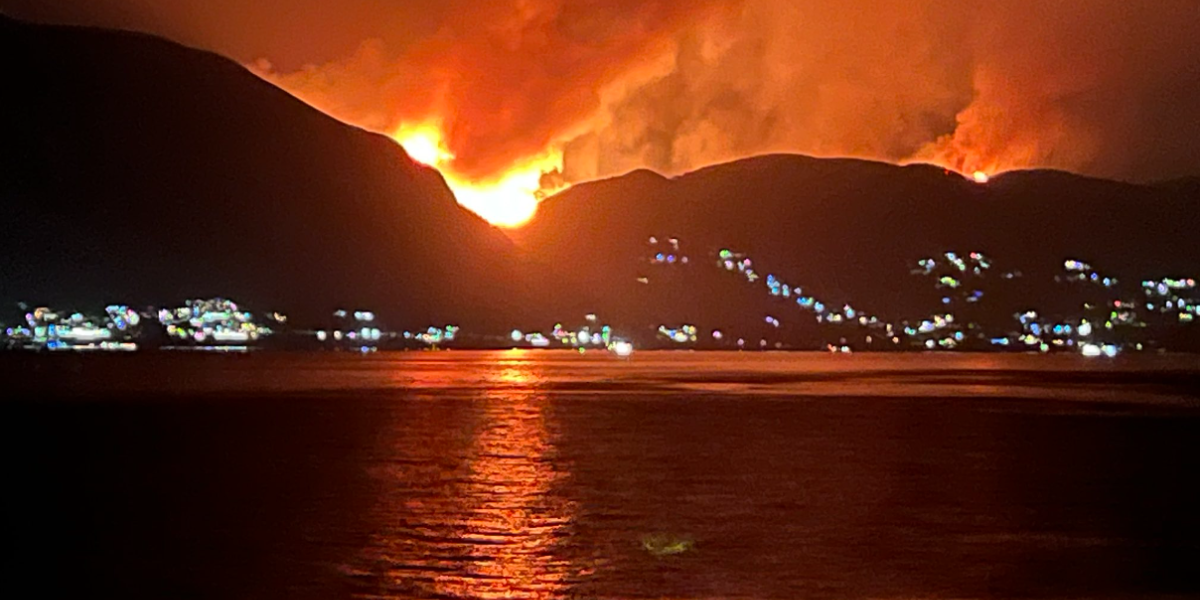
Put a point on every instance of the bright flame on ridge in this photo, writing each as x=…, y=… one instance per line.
x=423, y=144
x=508, y=200
x=980, y=177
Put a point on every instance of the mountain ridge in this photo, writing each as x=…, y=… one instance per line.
x=286, y=205
x=138, y=170
x=853, y=230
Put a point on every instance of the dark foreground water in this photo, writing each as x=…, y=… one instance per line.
x=554, y=475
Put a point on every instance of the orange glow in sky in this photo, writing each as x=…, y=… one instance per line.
x=507, y=200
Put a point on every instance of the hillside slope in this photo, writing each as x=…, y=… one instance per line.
x=141, y=171
x=851, y=231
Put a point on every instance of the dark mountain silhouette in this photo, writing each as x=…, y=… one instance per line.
x=1183, y=185
x=135, y=169
x=850, y=231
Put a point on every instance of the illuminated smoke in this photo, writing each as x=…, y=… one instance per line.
x=504, y=80
x=1106, y=87
x=566, y=92
x=1099, y=87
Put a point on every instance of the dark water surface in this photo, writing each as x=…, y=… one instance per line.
x=555, y=475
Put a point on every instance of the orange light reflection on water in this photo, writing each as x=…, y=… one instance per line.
x=511, y=521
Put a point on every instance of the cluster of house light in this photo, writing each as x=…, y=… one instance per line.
x=960, y=279
x=592, y=334
x=355, y=330
x=45, y=328
x=1108, y=328
x=198, y=323
x=822, y=311
x=1172, y=296
x=668, y=255
x=213, y=322
x=684, y=334
x=433, y=335
x=954, y=274
x=1101, y=328
x=732, y=262
x=1081, y=272
x=360, y=331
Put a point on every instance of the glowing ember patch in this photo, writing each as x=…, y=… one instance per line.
x=980, y=177
x=423, y=144
x=508, y=200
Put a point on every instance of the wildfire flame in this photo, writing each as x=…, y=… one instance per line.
x=423, y=144
x=507, y=200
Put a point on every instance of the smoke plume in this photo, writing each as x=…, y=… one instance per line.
x=1104, y=87
x=1100, y=87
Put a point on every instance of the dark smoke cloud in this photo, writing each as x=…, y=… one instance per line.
x=1105, y=87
